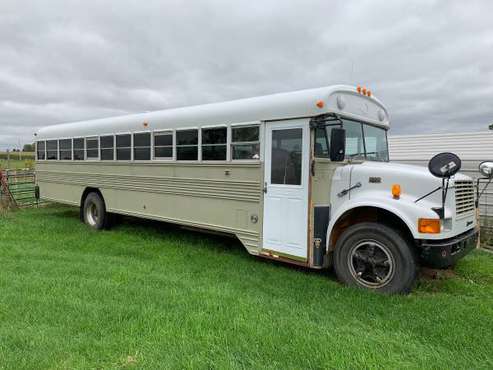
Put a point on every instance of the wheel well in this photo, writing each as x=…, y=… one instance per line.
x=368, y=214
x=86, y=192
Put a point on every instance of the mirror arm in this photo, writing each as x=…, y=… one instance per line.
x=427, y=194
x=479, y=194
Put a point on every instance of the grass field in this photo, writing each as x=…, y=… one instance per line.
x=26, y=160
x=150, y=295
x=14, y=164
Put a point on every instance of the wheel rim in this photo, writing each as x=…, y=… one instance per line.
x=92, y=215
x=371, y=264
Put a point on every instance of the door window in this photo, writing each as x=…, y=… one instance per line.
x=286, y=156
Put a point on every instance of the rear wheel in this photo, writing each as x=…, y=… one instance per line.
x=94, y=212
x=373, y=256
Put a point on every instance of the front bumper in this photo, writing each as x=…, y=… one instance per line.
x=446, y=252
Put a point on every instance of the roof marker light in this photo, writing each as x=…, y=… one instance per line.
x=364, y=90
x=358, y=89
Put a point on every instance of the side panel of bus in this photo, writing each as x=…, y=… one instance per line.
x=225, y=197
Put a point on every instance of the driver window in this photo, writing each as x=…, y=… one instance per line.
x=354, y=140
x=286, y=156
x=321, y=150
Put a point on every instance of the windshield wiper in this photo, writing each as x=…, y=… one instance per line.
x=354, y=155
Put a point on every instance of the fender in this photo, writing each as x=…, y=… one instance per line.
x=404, y=208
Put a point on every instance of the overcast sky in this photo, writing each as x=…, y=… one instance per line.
x=430, y=62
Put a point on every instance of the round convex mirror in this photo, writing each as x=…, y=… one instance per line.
x=444, y=165
x=486, y=169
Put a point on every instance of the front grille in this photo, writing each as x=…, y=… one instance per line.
x=464, y=197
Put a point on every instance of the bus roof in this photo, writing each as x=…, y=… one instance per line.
x=341, y=99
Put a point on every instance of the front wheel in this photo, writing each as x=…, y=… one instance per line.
x=374, y=256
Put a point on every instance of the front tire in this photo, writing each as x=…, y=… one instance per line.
x=94, y=212
x=375, y=257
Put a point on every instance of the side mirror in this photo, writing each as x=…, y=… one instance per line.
x=486, y=169
x=444, y=165
x=337, y=144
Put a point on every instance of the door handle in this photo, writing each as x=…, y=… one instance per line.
x=265, y=188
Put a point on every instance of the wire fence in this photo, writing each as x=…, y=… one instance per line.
x=485, y=204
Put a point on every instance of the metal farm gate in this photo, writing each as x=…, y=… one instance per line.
x=18, y=188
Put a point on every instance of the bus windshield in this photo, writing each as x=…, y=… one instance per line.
x=363, y=141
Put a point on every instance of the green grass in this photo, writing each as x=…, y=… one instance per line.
x=150, y=295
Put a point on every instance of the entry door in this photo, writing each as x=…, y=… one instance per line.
x=285, y=227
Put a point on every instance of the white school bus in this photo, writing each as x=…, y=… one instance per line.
x=301, y=177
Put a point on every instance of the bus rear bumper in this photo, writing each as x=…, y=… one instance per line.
x=446, y=252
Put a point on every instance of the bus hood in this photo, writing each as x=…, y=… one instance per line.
x=415, y=181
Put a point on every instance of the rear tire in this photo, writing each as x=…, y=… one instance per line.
x=94, y=212
x=375, y=257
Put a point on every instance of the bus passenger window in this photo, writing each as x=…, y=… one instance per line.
x=52, y=150
x=187, y=145
x=245, y=143
x=107, y=151
x=40, y=150
x=92, y=148
x=214, y=144
x=65, y=149
x=79, y=149
x=123, y=147
x=142, y=146
x=163, y=145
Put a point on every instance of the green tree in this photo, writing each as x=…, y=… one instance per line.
x=28, y=148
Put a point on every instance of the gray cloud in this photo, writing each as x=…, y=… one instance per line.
x=430, y=62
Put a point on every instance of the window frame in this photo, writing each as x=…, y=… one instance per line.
x=124, y=147
x=65, y=150
x=85, y=150
x=173, y=146
x=259, y=142
x=132, y=142
x=301, y=179
x=362, y=125
x=114, y=147
x=46, y=149
x=198, y=145
x=226, y=143
x=37, y=158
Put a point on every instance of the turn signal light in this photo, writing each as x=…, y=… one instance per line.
x=429, y=225
x=396, y=191
x=320, y=104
